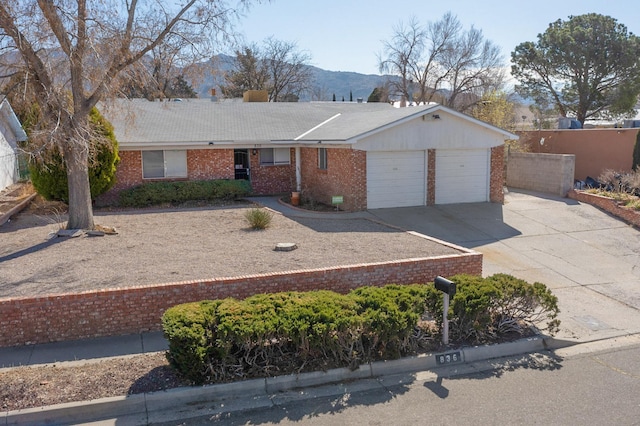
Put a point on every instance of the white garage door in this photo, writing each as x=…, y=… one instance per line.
x=462, y=176
x=396, y=179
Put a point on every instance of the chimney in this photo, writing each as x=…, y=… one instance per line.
x=255, y=96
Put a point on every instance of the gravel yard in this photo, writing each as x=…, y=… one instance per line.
x=171, y=245
x=158, y=246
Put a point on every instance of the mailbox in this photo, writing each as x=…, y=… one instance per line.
x=446, y=286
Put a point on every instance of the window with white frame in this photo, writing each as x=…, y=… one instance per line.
x=322, y=158
x=274, y=156
x=164, y=164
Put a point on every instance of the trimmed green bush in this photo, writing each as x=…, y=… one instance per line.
x=50, y=178
x=483, y=309
x=175, y=193
x=267, y=334
x=231, y=339
x=187, y=328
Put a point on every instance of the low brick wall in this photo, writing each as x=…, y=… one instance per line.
x=132, y=310
x=608, y=205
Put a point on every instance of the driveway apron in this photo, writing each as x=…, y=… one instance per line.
x=589, y=259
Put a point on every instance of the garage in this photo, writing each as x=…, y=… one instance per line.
x=396, y=179
x=462, y=176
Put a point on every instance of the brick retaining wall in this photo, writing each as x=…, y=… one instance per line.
x=133, y=310
x=607, y=204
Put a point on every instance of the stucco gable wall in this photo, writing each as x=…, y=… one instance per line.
x=8, y=168
x=447, y=132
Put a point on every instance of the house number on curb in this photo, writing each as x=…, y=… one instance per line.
x=448, y=358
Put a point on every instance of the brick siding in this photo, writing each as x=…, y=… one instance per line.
x=138, y=309
x=431, y=177
x=276, y=179
x=346, y=175
x=496, y=180
x=205, y=164
x=607, y=204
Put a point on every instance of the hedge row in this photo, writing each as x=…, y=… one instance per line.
x=156, y=193
x=267, y=334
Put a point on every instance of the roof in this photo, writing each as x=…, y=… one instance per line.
x=141, y=122
x=12, y=120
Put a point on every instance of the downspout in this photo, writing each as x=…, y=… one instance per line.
x=298, y=170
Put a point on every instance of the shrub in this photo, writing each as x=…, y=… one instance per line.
x=390, y=315
x=157, y=193
x=187, y=328
x=483, y=309
x=258, y=218
x=50, y=178
x=268, y=334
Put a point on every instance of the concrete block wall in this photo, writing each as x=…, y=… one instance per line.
x=550, y=173
x=121, y=311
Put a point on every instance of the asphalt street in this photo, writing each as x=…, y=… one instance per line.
x=601, y=388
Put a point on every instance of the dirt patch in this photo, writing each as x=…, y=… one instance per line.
x=28, y=387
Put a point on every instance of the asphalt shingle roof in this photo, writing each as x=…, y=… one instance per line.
x=142, y=122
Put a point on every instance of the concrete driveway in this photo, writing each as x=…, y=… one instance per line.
x=589, y=259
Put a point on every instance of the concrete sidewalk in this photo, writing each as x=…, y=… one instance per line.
x=81, y=351
x=590, y=260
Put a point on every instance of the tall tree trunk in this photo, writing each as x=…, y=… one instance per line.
x=80, y=209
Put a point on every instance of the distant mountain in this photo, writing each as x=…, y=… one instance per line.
x=325, y=84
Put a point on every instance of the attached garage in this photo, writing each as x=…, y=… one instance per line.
x=371, y=154
x=396, y=179
x=462, y=175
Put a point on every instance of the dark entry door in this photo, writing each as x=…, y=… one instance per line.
x=241, y=163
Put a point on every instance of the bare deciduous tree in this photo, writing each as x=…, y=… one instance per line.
x=441, y=61
x=288, y=69
x=249, y=73
x=278, y=67
x=72, y=53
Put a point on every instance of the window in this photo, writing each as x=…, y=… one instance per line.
x=164, y=164
x=322, y=158
x=274, y=156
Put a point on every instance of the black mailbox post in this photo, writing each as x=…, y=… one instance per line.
x=445, y=286
x=448, y=289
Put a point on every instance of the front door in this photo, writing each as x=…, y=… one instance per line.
x=241, y=163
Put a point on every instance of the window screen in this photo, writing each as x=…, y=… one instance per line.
x=322, y=158
x=152, y=164
x=164, y=164
x=271, y=156
x=175, y=164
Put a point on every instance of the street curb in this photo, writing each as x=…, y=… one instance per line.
x=258, y=391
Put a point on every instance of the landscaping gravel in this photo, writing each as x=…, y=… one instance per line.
x=172, y=245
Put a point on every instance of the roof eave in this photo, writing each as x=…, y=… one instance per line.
x=12, y=120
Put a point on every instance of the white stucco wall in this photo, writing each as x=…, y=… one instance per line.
x=8, y=159
x=447, y=132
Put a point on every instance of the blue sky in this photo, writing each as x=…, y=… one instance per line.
x=346, y=35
